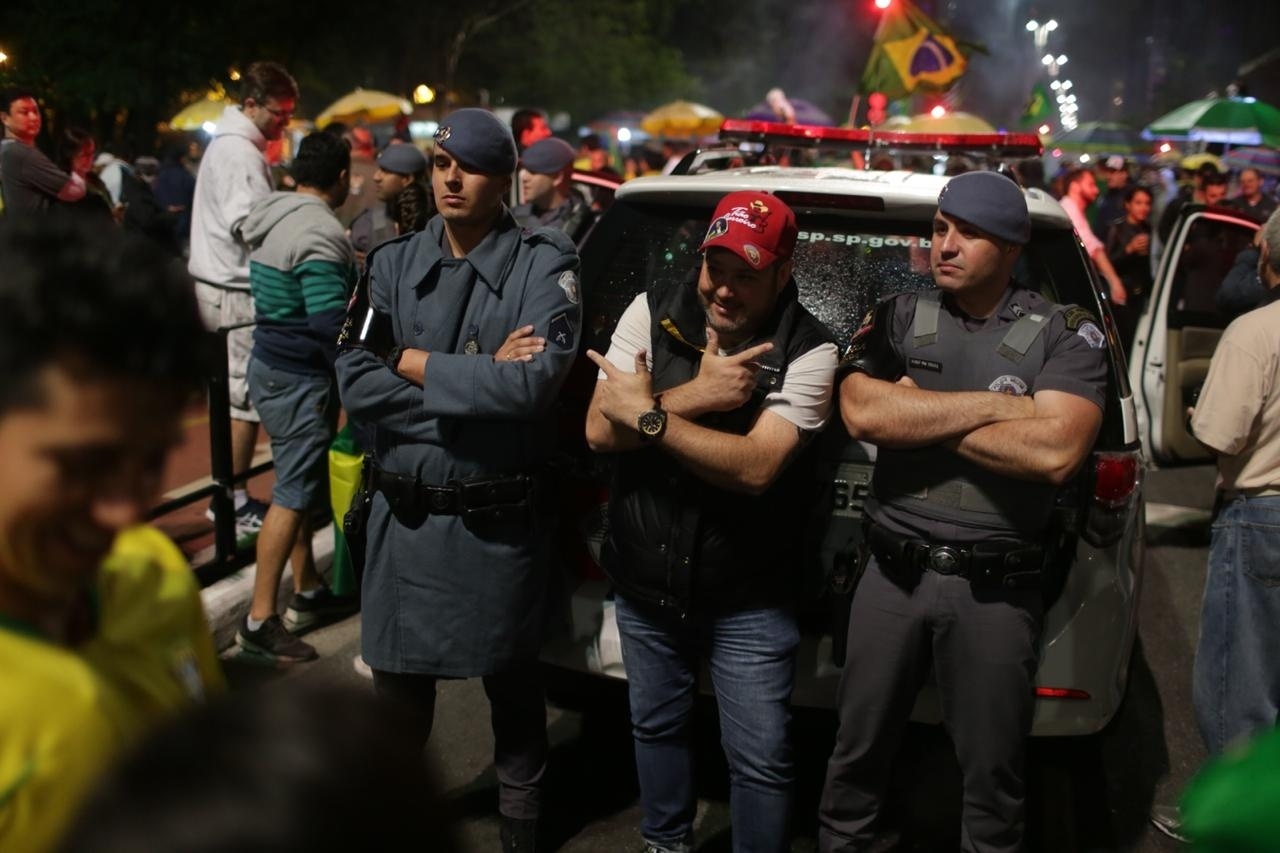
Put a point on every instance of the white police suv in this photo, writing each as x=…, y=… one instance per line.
x=863, y=235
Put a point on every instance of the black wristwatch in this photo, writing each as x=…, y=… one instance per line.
x=393, y=358
x=653, y=423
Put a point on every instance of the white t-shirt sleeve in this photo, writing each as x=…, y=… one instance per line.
x=806, y=393
x=630, y=336
x=1081, y=224
x=805, y=396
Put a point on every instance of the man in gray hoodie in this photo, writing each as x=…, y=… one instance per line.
x=301, y=272
x=234, y=174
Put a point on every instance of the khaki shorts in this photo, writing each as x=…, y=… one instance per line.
x=225, y=306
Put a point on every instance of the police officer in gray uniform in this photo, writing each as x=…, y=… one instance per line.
x=982, y=399
x=546, y=184
x=455, y=354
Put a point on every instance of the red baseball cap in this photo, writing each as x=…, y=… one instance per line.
x=755, y=226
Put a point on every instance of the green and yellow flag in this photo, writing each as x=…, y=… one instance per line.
x=912, y=52
x=1038, y=109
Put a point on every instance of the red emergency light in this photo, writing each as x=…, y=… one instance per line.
x=812, y=136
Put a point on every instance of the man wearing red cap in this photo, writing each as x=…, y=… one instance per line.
x=709, y=394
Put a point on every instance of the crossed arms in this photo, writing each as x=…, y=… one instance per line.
x=1044, y=437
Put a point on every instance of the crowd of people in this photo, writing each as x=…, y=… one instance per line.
x=405, y=289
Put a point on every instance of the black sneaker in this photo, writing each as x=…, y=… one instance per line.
x=323, y=607
x=273, y=642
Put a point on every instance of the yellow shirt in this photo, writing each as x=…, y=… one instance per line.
x=66, y=712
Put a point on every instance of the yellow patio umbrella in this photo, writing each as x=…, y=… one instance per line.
x=196, y=115
x=682, y=118
x=367, y=105
x=956, y=122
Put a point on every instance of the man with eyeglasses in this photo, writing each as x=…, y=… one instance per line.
x=234, y=175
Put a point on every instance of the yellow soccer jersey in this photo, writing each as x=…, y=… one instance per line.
x=66, y=712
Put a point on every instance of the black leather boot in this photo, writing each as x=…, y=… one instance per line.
x=518, y=836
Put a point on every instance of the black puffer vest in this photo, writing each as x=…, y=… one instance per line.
x=675, y=540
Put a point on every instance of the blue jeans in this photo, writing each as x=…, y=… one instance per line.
x=752, y=661
x=1236, y=683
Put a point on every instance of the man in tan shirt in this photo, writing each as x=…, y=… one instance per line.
x=1237, y=670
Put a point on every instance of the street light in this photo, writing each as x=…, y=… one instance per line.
x=3, y=56
x=1040, y=32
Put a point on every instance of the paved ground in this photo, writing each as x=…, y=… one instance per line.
x=1087, y=794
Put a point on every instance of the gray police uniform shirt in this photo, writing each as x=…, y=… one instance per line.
x=1074, y=362
x=439, y=598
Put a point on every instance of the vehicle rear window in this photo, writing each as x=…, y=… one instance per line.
x=845, y=263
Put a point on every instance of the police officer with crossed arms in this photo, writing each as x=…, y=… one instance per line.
x=982, y=399
x=455, y=350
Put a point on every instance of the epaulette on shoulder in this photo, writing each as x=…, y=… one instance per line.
x=551, y=236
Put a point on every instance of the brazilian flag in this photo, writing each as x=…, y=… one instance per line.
x=1038, y=109
x=911, y=52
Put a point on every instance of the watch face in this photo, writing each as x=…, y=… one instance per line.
x=652, y=422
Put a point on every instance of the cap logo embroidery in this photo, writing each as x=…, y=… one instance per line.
x=718, y=229
x=752, y=253
x=443, y=134
x=750, y=217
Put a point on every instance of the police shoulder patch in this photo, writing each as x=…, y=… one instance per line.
x=1075, y=316
x=568, y=282
x=1092, y=335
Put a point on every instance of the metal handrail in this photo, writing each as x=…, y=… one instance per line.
x=221, y=491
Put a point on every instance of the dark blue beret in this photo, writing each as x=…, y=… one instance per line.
x=478, y=139
x=548, y=156
x=403, y=159
x=989, y=201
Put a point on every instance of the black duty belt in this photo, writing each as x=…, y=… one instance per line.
x=458, y=497
x=1009, y=564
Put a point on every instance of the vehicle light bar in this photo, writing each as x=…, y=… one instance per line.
x=1061, y=693
x=812, y=136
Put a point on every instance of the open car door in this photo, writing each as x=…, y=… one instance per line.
x=1181, y=326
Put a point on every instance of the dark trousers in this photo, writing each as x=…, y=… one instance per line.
x=518, y=713
x=983, y=646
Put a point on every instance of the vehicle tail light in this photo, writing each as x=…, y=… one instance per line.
x=1061, y=693
x=1115, y=478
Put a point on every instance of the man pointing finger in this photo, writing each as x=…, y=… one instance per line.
x=708, y=430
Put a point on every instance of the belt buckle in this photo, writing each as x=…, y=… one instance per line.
x=944, y=560
x=440, y=501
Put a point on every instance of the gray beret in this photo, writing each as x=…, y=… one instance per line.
x=989, y=201
x=548, y=156
x=403, y=159
x=478, y=139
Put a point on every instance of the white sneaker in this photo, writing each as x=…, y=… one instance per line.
x=362, y=668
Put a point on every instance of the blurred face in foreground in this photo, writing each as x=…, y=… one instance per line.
x=77, y=465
